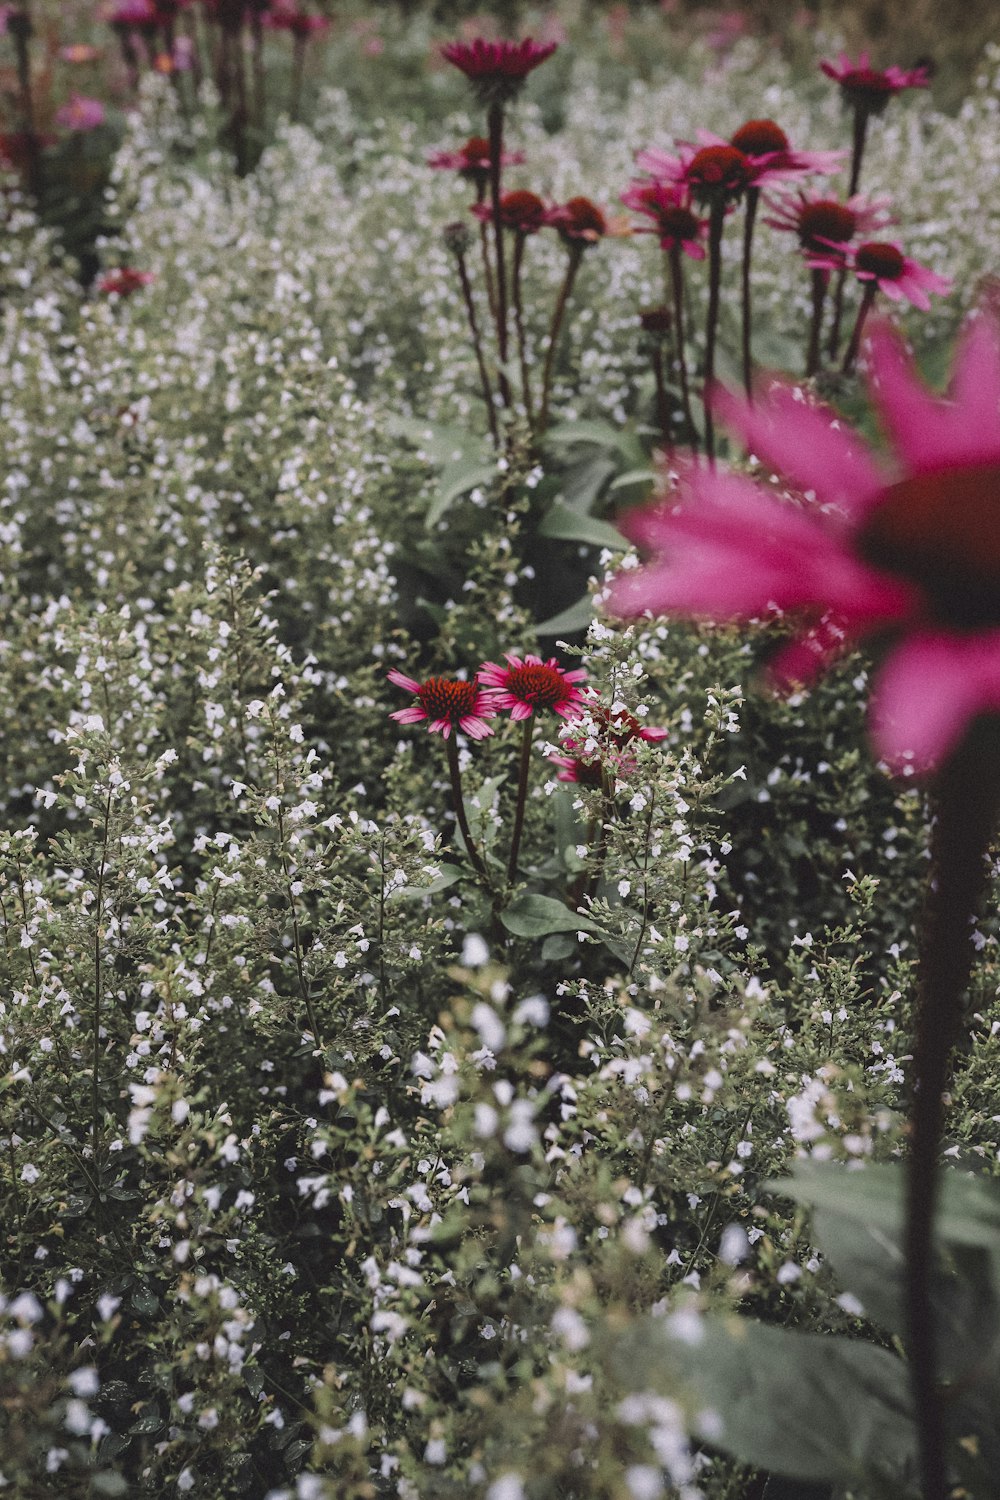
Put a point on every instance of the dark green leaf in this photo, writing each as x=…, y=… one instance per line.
x=568, y=621
x=568, y=525
x=531, y=916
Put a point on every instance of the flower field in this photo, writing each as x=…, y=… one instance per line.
x=500, y=666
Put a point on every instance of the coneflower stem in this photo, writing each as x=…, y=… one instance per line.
x=820, y=281
x=851, y=352
x=20, y=28
x=555, y=328
x=966, y=798
x=458, y=805
x=495, y=127
x=716, y=220
x=477, y=344
x=860, y=132
x=677, y=292
x=484, y=241
x=522, y=800
x=522, y=346
x=257, y=65
x=749, y=219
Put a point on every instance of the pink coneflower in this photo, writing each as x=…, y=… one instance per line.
x=446, y=703
x=673, y=219
x=822, y=223
x=527, y=684
x=522, y=211
x=872, y=88
x=711, y=174
x=604, y=751
x=579, y=221
x=497, y=70
x=772, y=155
x=81, y=114
x=124, y=281
x=136, y=13
x=884, y=264
x=472, y=160
x=911, y=556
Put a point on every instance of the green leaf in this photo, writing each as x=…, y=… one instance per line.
x=456, y=480
x=602, y=434
x=632, y=476
x=443, y=444
x=568, y=621
x=448, y=876
x=566, y=525
x=530, y=916
x=801, y=1405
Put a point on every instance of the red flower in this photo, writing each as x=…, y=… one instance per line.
x=895, y=274
x=497, y=69
x=447, y=703
x=673, y=219
x=124, y=281
x=868, y=88
x=822, y=224
x=579, y=221
x=528, y=683
x=521, y=211
x=473, y=159
x=603, y=750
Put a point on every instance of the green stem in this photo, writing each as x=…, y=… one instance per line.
x=477, y=344
x=522, y=346
x=522, y=800
x=555, y=328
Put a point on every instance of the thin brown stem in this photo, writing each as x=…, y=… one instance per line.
x=677, y=293
x=820, y=281
x=458, y=807
x=484, y=245
x=495, y=129
x=555, y=328
x=524, y=767
x=859, y=135
x=477, y=344
x=522, y=346
x=851, y=352
x=717, y=218
x=749, y=219
x=966, y=799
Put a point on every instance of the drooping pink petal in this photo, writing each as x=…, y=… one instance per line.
x=805, y=444
x=809, y=654
x=733, y=552
x=931, y=433
x=401, y=680
x=928, y=692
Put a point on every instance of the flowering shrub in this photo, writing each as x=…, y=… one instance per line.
x=395, y=1112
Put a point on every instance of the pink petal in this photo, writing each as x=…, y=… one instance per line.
x=800, y=661
x=475, y=727
x=401, y=680
x=412, y=715
x=520, y=709
x=799, y=441
x=929, y=691
x=931, y=433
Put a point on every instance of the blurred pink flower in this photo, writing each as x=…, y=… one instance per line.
x=123, y=281
x=472, y=160
x=871, y=88
x=823, y=223
x=497, y=69
x=909, y=556
x=80, y=113
x=672, y=217
x=604, y=749
x=895, y=274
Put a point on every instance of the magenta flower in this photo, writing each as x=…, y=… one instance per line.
x=299, y=23
x=445, y=703
x=579, y=221
x=717, y=172
x=80, y=113
x=910, y=556
x=822, y=224
x=473, y=159
x=871, y=88
x=884, y=264
x=497, y=70
x=673, y=219
x=528, y=683
x=522, y=211
x=771, y=153
x=604, y=750
x=134, y=13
